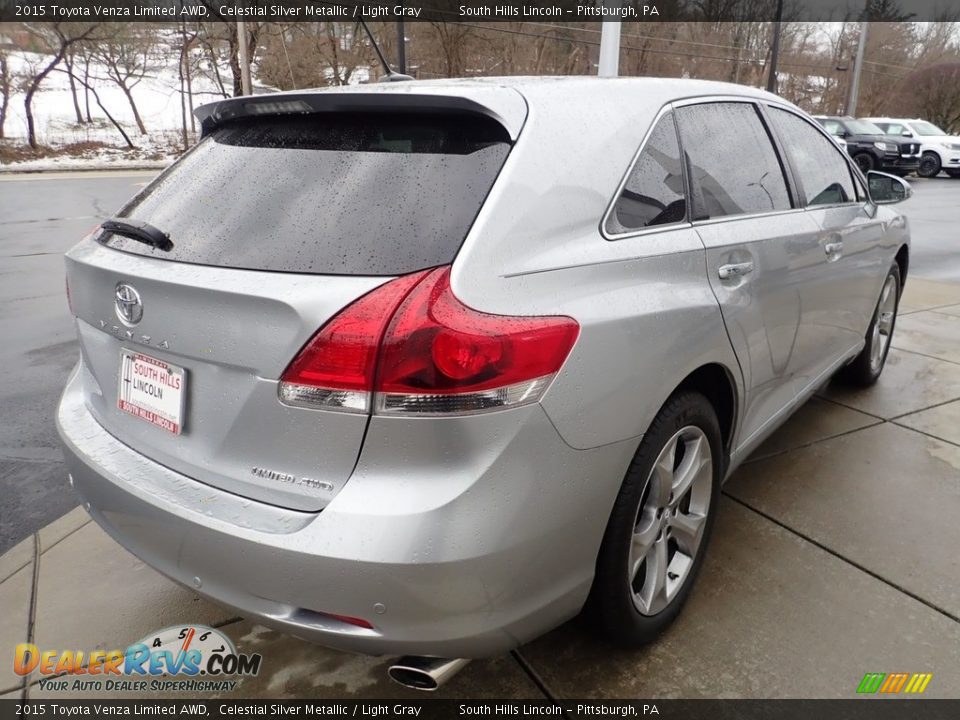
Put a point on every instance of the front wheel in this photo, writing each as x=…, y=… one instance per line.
x=865, y=161
x=929, y=165
x=660, y=525
x=866, y=367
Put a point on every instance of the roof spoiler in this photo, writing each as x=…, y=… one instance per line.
x=504, y=105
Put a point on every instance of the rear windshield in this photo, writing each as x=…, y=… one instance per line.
x=347, y=194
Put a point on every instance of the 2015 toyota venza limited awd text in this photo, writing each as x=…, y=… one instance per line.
x=427, y=368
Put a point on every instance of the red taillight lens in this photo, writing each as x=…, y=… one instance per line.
x=335, y=369
x=440, y=356
x=430, y=353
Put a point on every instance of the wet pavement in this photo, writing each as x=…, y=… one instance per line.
x=834, y=551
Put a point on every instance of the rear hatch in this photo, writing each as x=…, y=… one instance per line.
x=277, y=223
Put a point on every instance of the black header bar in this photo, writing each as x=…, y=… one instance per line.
x=634, y=11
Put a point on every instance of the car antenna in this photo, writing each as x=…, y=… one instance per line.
x=392, y=75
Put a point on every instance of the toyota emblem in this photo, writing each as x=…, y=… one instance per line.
x=129, y=307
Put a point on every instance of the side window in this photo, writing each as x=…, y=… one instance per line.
x=731, y=162
x=821, y=169
x=833, y=127
x=653, y=194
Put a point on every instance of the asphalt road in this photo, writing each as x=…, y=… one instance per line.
x=41, y=216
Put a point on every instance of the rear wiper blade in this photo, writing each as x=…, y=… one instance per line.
x=141, y=231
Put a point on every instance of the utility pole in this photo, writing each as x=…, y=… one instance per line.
x=857, y=67
x=608, y=64
x=243, y=55
x=401, y=48
x=775, y=50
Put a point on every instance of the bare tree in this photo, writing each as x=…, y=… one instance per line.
x=59, y=38
x=127, y=56
x=5, y=88
x=106, y=112
x=68, y=60
x=936, y=94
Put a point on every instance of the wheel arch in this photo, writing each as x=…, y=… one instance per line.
x=903, y=261
x=715, y=382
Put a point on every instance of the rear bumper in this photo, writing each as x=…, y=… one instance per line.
x=450, y=562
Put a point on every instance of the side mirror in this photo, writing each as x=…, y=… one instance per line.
x=907, y=133
x=887, y=189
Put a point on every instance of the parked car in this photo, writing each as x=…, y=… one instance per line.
x=871, y=148
x=427, y=368
x=939, y=151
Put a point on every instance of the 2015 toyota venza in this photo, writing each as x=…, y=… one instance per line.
x=426, y=368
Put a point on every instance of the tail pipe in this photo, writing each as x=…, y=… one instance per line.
x=425, y=673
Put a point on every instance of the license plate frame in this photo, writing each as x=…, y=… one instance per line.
x=152, y=390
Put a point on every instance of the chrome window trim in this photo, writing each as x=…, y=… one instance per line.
x=709, y=99
x=748, y=216
x=623, y=182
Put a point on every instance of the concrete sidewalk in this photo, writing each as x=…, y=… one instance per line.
x=835, y=554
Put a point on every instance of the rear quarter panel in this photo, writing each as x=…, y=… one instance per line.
x=647, y=314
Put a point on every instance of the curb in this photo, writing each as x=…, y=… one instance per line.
x=85, y=168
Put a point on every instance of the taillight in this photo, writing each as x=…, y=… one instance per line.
x=335, y=369
x=410, y=347
x=439, y=356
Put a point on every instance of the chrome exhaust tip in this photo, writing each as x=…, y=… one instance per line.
x=425, y=673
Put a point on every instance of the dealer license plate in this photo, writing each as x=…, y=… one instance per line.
x=152, y=390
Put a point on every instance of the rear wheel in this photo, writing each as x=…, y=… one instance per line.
x=660, y=525
x=865, y=161
x=929, y=165
x=867, y=366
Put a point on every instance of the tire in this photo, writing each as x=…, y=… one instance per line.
x=865, y=161
x=930, y=165
x=865, y=369
x=654, y=526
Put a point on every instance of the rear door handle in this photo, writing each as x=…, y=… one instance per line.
x=833, y=248
x=733, y=270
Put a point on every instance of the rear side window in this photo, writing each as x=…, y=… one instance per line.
x=820, y=166
x=349, y=194
x=833, y=127
x=731, y=162
x=653, y=193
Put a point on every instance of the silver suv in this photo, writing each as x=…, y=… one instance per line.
x=425, y=368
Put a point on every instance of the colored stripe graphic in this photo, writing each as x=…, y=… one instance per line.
x=918, y=683
x=871, y=682
x=893, y=683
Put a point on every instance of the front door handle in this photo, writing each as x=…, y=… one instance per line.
x=833, y=248
x=735, y=270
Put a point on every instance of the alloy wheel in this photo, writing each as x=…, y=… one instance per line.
x=671, y=520
x=883, y=327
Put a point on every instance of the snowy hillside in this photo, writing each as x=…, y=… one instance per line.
x=157, y=97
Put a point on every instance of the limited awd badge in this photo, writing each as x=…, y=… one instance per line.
x=128, y=306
